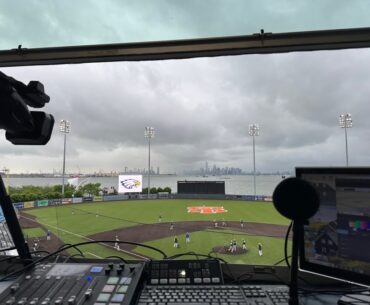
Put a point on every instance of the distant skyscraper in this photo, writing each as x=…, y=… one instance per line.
x=207, y=169
x=158, y=170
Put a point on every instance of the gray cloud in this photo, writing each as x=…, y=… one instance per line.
x=201, y=109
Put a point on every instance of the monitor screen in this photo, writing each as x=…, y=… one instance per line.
x=336, y=240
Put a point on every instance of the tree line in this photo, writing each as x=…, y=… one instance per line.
x=31, y=192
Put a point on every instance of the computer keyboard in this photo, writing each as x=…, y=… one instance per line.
x=214, y=295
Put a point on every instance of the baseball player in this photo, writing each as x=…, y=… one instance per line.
x=242, y=223
x=116, y=244
x=187, y=237
x=260, y=249
x=175, y=242
x=171, y=226
x=234, y=245
x=48, y=235
x=231, y=246
x=244, y=245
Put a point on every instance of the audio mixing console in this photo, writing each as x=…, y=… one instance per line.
x=75, y=284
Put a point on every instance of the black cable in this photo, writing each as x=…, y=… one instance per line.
x=79, y=244
x=8, y=249
x=74, y=246
x=197, y=255
x=190, y=253
x=8, y=258
x=286, y=245
x=231, y=275
x=40, y=251
x=118, y=257
x=280, y=261
x=239, y=278
x=72, y=256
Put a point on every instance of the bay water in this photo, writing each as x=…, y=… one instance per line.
x=234, y=185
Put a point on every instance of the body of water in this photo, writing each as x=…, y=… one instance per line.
x=236, y=185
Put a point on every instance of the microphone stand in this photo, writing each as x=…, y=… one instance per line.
x=293, y=287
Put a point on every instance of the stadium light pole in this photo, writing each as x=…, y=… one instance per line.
x=254, y=131
x=149, y=133
x=6, y=172
x=64, y=127
x=345, y=121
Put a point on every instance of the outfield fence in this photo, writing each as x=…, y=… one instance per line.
x=107, y=198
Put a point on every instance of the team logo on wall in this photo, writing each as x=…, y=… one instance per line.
x=206, y=210
x=130, y=184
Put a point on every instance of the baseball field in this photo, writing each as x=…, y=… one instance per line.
x=211, y=225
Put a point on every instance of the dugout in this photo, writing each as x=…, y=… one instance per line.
x=201, y=187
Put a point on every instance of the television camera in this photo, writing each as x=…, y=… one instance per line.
x=22, y=126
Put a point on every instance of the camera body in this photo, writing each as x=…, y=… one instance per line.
x=24, y=127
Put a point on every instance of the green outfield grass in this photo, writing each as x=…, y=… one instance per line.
x=79, y=220
x=34, y=232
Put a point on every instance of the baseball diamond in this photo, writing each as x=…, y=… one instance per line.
x=157, y=223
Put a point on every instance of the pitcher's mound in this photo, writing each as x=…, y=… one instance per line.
x=225, y=250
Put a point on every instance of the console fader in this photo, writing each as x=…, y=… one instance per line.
x=75, y=284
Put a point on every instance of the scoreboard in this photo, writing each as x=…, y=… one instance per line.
x=201, y=187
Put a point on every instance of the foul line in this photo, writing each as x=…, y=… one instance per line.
x=93, y=254
x=84, y=237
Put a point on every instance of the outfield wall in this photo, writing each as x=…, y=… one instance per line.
x=107, y=198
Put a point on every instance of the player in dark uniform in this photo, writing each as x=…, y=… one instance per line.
x=175, y=242
x=244, y=245
x=260, y=249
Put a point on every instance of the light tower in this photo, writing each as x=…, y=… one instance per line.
x=254, y=131
x=345, y=121
x=64, y=127
x=6, y=172
x=149, y=133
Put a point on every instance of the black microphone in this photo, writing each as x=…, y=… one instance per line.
x=296, y=199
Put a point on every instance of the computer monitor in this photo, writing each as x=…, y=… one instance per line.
x=336, y=240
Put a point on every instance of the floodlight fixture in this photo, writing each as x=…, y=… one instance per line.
x=254, y=130
x=65, y=126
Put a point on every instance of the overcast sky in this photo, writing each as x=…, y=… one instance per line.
x=200, y=108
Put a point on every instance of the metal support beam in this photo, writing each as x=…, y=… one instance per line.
x=258, y=43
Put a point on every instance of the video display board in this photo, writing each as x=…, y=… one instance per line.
x=130, y=184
